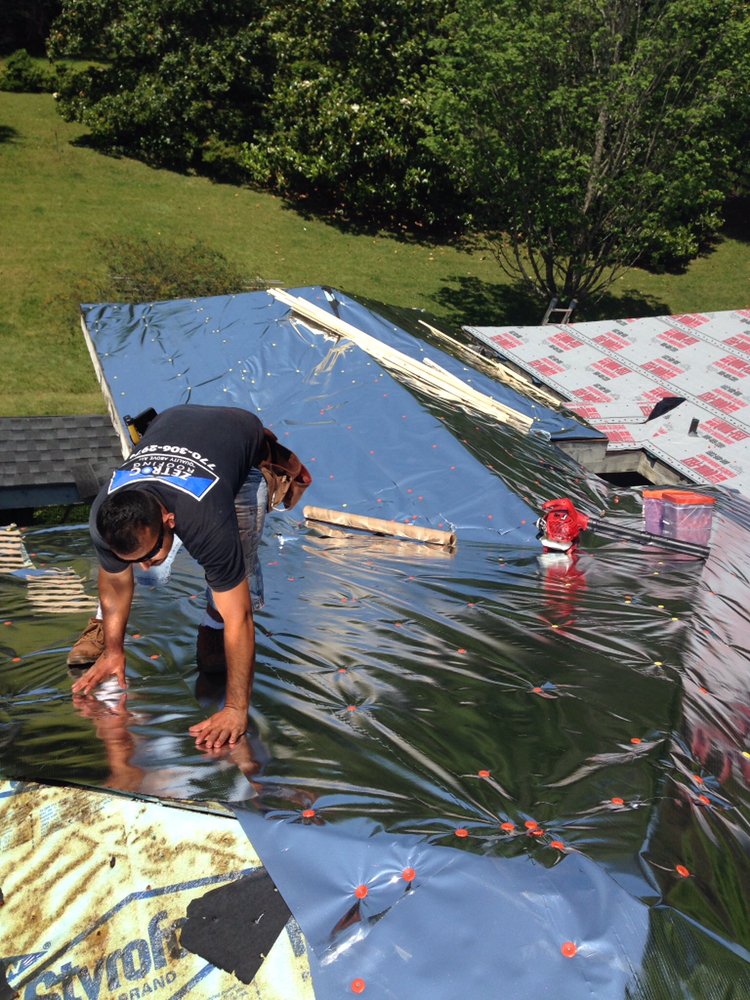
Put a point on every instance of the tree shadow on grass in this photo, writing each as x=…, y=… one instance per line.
x=99, y=145
x=7, y=133
x=737, y=219
x=411, y=231
x=469, y=301
x=628, y=304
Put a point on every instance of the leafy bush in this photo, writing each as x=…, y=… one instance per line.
x=578, y=137
x=223, y=160
x=156, y=270
x=22, y=75
x=345, y=122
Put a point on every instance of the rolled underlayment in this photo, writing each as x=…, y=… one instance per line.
x=379, y=526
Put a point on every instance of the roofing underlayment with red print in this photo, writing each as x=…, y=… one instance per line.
x=614, y=372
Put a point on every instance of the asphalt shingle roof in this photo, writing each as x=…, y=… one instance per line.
x=45, y=451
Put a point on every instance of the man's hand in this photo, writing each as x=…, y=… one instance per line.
x=115, y=596
x=109, y=663
x=226, y=726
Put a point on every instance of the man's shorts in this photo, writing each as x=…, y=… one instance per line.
x=251, y=504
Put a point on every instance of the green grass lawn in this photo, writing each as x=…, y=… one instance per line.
x=58, y=201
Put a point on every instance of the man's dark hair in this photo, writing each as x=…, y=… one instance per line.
x=122, y=517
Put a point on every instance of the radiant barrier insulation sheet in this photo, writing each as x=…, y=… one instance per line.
x=472, y=771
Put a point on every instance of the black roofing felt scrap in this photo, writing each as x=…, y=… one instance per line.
x=235, y=926
x=6, y=990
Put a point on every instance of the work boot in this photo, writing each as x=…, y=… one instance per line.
x=89, y=645
x=209, y=652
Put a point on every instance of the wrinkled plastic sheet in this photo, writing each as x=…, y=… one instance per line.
x=555, y=753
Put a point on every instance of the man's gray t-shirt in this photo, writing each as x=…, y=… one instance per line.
x=194, y=459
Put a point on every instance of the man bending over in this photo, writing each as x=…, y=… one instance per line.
x=193, y=479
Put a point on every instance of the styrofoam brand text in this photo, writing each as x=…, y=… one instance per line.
x=136, y=962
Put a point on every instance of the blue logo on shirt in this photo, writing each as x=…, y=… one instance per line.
x=180, y=472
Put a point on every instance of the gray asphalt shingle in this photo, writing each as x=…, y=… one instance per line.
x=42, y=451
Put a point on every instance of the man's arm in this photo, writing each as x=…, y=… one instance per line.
x=115, y=597
x=228, y=725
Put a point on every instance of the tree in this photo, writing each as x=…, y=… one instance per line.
x=588, y=135
x=179, y=83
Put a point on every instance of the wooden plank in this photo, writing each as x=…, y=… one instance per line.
x=380, y=526
x=428, y=375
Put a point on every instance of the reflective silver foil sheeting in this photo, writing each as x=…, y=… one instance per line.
x=473, y=771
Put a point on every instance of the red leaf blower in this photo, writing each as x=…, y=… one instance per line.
x=561, y=525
